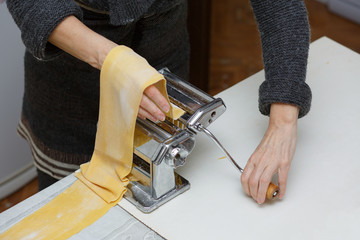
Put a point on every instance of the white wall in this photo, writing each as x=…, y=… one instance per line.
x=15, y=159
x=349, y=9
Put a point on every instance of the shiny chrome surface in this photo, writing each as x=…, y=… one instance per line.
x=207, y=114
x=164, y=152
x=140, y=195
x=184, y=94
x=164, y=146
x=209, y=134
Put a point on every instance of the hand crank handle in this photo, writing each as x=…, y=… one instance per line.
x=272, y=191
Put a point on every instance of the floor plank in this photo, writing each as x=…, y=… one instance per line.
x=28, y=190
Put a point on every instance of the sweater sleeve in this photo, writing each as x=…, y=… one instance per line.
x=37, y=19
x=285, y=38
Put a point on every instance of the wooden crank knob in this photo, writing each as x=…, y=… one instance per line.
x=272, y=191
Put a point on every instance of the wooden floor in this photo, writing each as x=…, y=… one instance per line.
x=236, y=51
x=28, y=190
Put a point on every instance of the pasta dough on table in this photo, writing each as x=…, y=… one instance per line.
x=102, y=182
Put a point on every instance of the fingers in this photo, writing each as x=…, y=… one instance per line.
x=245, y=176
x=153, y=105
x=155, y=95
x=283, y=175
x=264, y=182
x=150, y=110
x=143, y=114
x=256, y=179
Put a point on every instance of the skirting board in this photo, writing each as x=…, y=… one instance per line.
x=349, y=9
x=17, y=180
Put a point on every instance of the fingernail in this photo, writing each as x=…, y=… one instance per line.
x=153, y=119
x=166, y=108
x=161, y=117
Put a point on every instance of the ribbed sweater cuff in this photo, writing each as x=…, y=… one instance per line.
x=295, y=93
x=39, y=22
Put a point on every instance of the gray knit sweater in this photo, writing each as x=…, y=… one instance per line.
x=283, y=26
x=60, y=105
x=285, y=37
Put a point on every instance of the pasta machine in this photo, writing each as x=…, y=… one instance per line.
x=159, y=148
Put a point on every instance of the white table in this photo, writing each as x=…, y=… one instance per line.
x=323, y=193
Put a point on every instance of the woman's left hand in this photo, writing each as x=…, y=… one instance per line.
x=274, y=153
x=153, y=105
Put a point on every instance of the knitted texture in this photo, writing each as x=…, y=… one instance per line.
x=37, y=19
x=285, y=36
x=126, y=11
x=61, y=99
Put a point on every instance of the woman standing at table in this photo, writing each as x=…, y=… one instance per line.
x=67, y=41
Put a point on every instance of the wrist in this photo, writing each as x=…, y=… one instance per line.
x=282, y=114
x=102, y=51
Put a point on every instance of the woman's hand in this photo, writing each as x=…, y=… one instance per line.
x=75, y=38
x=274, y=153
x=153, y=105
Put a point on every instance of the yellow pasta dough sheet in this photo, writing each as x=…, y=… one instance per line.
x=68, y=213
x=102, y=182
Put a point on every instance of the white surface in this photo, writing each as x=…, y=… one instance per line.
x=115, y=224
x=323, y=194
x=15, y=153
x=323, y=197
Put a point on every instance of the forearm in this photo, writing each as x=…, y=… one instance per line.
x=75, y=38
x=72, y=36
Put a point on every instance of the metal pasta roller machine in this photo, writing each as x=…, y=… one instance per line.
x=159, y=148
